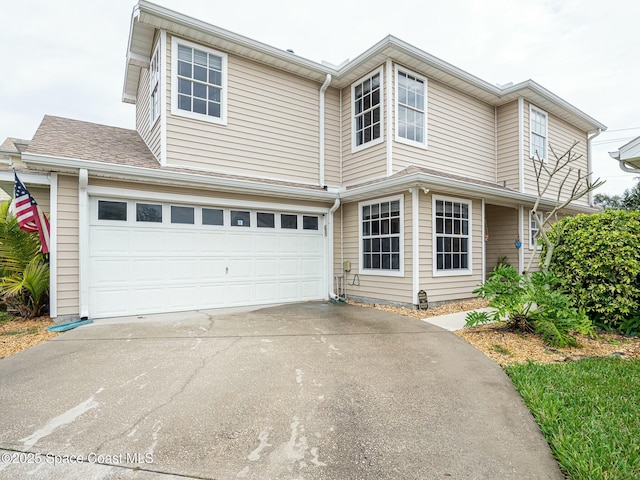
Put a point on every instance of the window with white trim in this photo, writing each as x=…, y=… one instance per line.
x=410, y=107
x=381, y=235
x=538, y=138
x=534, y=231
x=367, y=110
x=452, y=235
x=199, y=82
x=154, y=87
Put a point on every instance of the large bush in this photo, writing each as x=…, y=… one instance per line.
x=598, y=263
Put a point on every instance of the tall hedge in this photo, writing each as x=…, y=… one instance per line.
x=598, y=263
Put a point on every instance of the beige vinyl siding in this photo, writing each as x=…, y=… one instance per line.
x=42, y=196
x=166, y=189
x=271, y=131
x=369, y=162
x=149, y=133
x=375, y=287
x=332, y=137
x=456, y=287
x=502, y=233
x=68, y=265
x=561, y=136
x=460, y=136
x=508, y=158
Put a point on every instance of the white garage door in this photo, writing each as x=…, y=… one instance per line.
x=149, y=257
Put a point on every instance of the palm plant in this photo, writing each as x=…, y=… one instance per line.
x=24, y=272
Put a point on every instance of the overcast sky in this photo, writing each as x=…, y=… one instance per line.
x=67, y=57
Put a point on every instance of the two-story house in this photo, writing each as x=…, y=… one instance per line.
x=255, y=176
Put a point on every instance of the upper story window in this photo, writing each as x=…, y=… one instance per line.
x=410, y=108
x=534, y=231
x=538, y=127
x=154, y=87
x=199, y=82
x=367, y=110
x=381, y=236
x=452, y=236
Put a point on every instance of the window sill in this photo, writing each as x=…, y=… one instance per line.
x=411, y=143
x=381, y=273
x=452, y=273
x=198, y=116
x=364, y=146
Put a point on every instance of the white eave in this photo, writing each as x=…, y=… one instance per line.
x=172, y=177
x=496, y=195
x=147, y=17
x=629, y=156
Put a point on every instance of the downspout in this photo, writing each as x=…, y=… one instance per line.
x=521, y=143
x=53, y=249
x=590, y=161
x=389, y=93
x=83, y=242
x=332, y=293
x=323, y=89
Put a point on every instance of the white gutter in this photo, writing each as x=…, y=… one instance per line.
x=332, y=293
x=590, y=160
x=323, y=89
x=173, y=177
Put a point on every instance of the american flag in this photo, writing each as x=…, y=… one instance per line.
x=30, y=217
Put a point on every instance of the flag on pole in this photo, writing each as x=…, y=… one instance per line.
x=30, y=216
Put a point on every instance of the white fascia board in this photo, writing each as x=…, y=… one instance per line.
x=159, y=176
x=631, y=150
x=26, y=177
x=522, y=88
x=426, y=180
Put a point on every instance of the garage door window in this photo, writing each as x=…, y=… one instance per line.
x=212, y=216
x=147, y=212
x=266, y=220
x=184, y=215
x=240, y=219
x=309, y=223
x=112, y=210
x=289, y=221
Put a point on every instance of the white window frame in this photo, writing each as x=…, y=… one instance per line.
x=154, y=85
x=380, y=139
x=533, y=230
x=381, y=272
x=398, y=138
x=544, y=135
x=452, y=272
x=222, y=120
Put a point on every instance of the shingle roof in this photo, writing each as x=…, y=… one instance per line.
x=64, y=137
x=13, y=145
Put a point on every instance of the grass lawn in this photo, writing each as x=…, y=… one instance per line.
x=589, y=412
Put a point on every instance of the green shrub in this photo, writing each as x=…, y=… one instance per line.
x=531, y=303
x=597, y=261
x=24, y=272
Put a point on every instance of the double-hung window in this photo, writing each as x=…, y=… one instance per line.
x=452, y=236
x=367, y=110
x=534, y=231
x=199, y=82
x=538, y=127
x=410, y=108
x=381, y=236
x=154, y=87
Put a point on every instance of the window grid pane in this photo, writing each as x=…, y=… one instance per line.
x=452, y=235
x=381, y=236
x=367, y=110
x=199, y=81
x=411, y=92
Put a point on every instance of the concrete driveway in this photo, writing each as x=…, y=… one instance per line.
x=305, y=391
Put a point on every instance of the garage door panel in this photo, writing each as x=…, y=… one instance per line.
x=110, y=241
x=311, y=266
x=182, y=242
x=265, y=292
x=183, y=269
x=266, y=267
x=149, y=300
x=311, y=245
x=288, y=267
x=240, y=269
x=267, y=244
x=213, y=269
x=147, y=242
x=109, y=302
x=289, y=244
x=289, y=291
x=310, y=288
x=148, y=271
x=109, y=272
x=185, y=297
x=241, y=294
x=212, y=242
x=213, y=295
x=240, y=244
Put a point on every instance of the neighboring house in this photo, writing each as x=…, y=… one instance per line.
x=629, y=156
x=256, y=176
